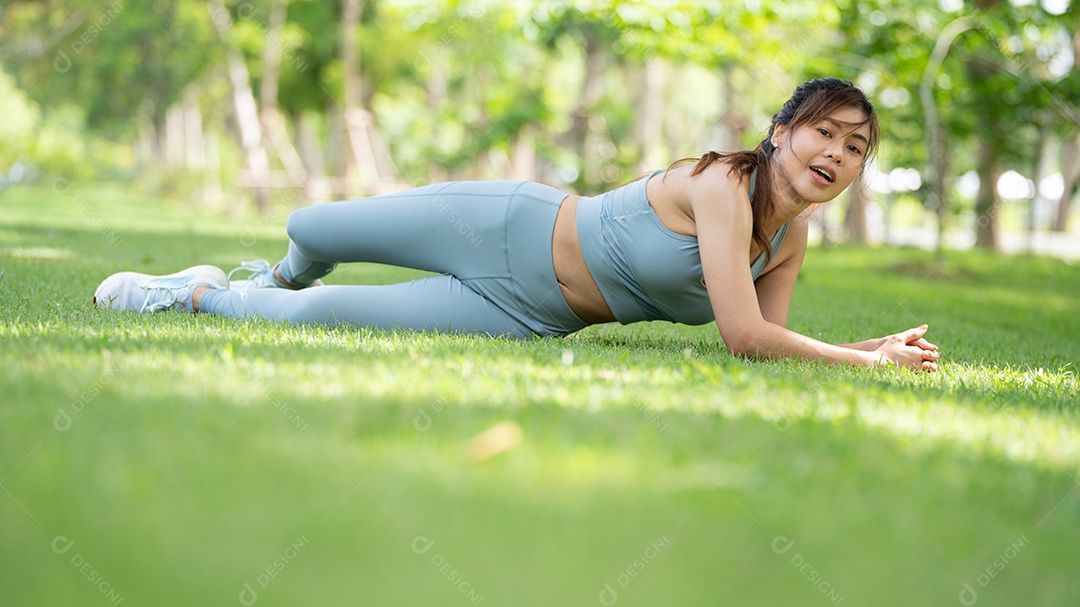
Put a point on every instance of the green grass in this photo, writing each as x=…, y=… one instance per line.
x=185, y=455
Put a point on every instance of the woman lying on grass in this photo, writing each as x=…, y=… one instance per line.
x=720, y=238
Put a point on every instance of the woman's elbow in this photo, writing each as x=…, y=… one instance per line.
x=746, y=342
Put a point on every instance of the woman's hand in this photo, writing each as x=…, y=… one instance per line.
x=908, y=349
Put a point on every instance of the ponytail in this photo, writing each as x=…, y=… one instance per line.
x=744, y=164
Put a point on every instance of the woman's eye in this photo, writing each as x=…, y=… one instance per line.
x=854, y=149
x=823, y=132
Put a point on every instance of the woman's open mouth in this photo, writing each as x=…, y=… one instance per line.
x=823, y=176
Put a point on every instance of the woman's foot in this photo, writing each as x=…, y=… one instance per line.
x=263, y=276
x=145, y=293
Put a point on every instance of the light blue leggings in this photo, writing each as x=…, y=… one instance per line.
x=490, y=242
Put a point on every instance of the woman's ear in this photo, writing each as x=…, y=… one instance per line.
x=779, y=133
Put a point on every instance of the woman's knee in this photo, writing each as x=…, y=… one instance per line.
x=300, y=225
x=308, y=229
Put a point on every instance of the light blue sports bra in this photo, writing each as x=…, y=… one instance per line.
x=644, y=270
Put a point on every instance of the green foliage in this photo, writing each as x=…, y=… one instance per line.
x=311, y=44
x=21, y=117
x=57, y=143
x=61, y=147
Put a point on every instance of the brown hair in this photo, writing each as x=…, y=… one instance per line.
x=811, y=102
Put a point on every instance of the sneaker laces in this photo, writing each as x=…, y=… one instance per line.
x=258, y=268
x=168, y=297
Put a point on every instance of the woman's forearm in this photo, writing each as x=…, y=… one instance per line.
x=774, y=341
x=867, y=346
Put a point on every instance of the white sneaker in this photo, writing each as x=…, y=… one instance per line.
x=261, y=277
x=146, y=293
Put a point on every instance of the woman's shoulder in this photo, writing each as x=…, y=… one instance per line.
x=720, y=184
x=717, y=181
x=682, y=199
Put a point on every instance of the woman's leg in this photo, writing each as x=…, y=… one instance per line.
x=438, y=303
x=454, y=228
x=491, y=240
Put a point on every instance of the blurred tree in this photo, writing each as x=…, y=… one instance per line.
x=257, y=161
x=988, y=93
x=273, y=121
x=582, y=24
x=118, y=61
x=21, y=118
x=1018, y=93
x=1070, y=152
x=892, y=45
x=369, y=152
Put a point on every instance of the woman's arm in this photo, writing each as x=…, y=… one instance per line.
x=751, y=320
x=868, y=346
x=775, y=286
x=900, y=349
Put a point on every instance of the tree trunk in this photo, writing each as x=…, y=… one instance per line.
x=936, y=170
x=350, y=52
x=523, y=154
x=174, y=137
x=678, y=141
x=273, y=122
x=820, y=217
x=732, y=122
x=194, y=143
x=1070, y=152
x=988, y=156
x=886, y=218
x=1037, y=176
x=855, y=214
x=363, y=159
x=374, y=163
x=271, y=55
x=337, y=152
x=650, y=115
x=438, y=83
x=389, y=176
x=480, y=80
x=257, y=161
x=1070, y=169
x=145, y=144
x=591, y=90
x=194, y=146
x=987, y=204
x=212, y=190
x=307, y=138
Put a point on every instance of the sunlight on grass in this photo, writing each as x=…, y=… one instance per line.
x=304, y=374
x=38, y=253
x=1049, y=439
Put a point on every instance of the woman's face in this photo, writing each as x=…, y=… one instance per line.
x=819, y=160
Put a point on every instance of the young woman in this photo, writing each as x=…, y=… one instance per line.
x=718, y=239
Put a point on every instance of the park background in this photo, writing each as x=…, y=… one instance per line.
x=184, y=460
x=269, y=105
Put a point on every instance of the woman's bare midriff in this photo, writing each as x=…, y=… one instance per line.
x=575, y=281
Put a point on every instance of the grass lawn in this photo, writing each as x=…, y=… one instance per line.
x=193, y=460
